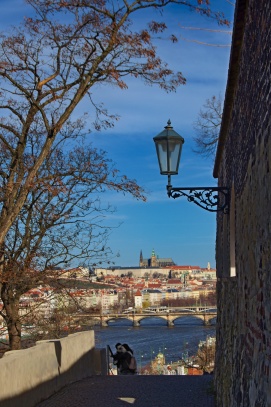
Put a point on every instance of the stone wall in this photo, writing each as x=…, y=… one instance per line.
x=243, y=359
x=31, y=375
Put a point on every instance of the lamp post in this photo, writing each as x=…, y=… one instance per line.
x=168, y=148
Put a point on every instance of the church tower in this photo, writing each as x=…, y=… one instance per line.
x=153, y=259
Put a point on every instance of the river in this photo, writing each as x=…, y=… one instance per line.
x=154, y=336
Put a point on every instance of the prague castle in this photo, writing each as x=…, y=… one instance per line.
x=155, y=265
x=154, y=261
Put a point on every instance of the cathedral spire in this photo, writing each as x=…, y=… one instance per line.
x=140, y=259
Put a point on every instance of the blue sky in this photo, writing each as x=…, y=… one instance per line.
x=173, y=228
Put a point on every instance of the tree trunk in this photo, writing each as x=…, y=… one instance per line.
x=14, y=334
x=12, y=318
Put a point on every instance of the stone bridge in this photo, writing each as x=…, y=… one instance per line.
x=206, y=317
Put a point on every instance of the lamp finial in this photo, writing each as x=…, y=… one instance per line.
x=168, y=123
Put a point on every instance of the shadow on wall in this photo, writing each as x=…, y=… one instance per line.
x=58, y=349
x=31, y=375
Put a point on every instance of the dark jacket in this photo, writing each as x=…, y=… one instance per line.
x=122, y=360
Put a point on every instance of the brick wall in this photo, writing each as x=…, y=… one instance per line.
x=243, y=359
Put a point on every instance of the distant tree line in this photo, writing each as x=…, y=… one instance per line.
x=208, y=299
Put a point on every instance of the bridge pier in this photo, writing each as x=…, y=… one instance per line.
x=103, y=322
x=136, y=323
x=170, y=323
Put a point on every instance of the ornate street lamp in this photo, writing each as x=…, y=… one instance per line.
x=168, y=148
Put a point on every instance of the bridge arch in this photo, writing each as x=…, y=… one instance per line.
x=135, y=319
x=170, y=318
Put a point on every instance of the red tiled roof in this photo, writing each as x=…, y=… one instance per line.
x=174, y=281
x=139, y=286
x=154, y=285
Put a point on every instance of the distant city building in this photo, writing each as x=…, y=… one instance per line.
x=154, y=261
x=138, y=299
x=153, y=297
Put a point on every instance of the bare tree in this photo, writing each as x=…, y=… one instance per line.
x=62, y=221
x=205, y=357
x=207, y=127
x=49, y=64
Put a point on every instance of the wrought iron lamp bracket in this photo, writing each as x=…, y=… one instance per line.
x=212, y=199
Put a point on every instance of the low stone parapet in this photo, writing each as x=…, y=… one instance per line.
x=34, y=374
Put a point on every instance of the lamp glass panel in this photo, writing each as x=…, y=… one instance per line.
x=161, y=147
x=174, y=150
